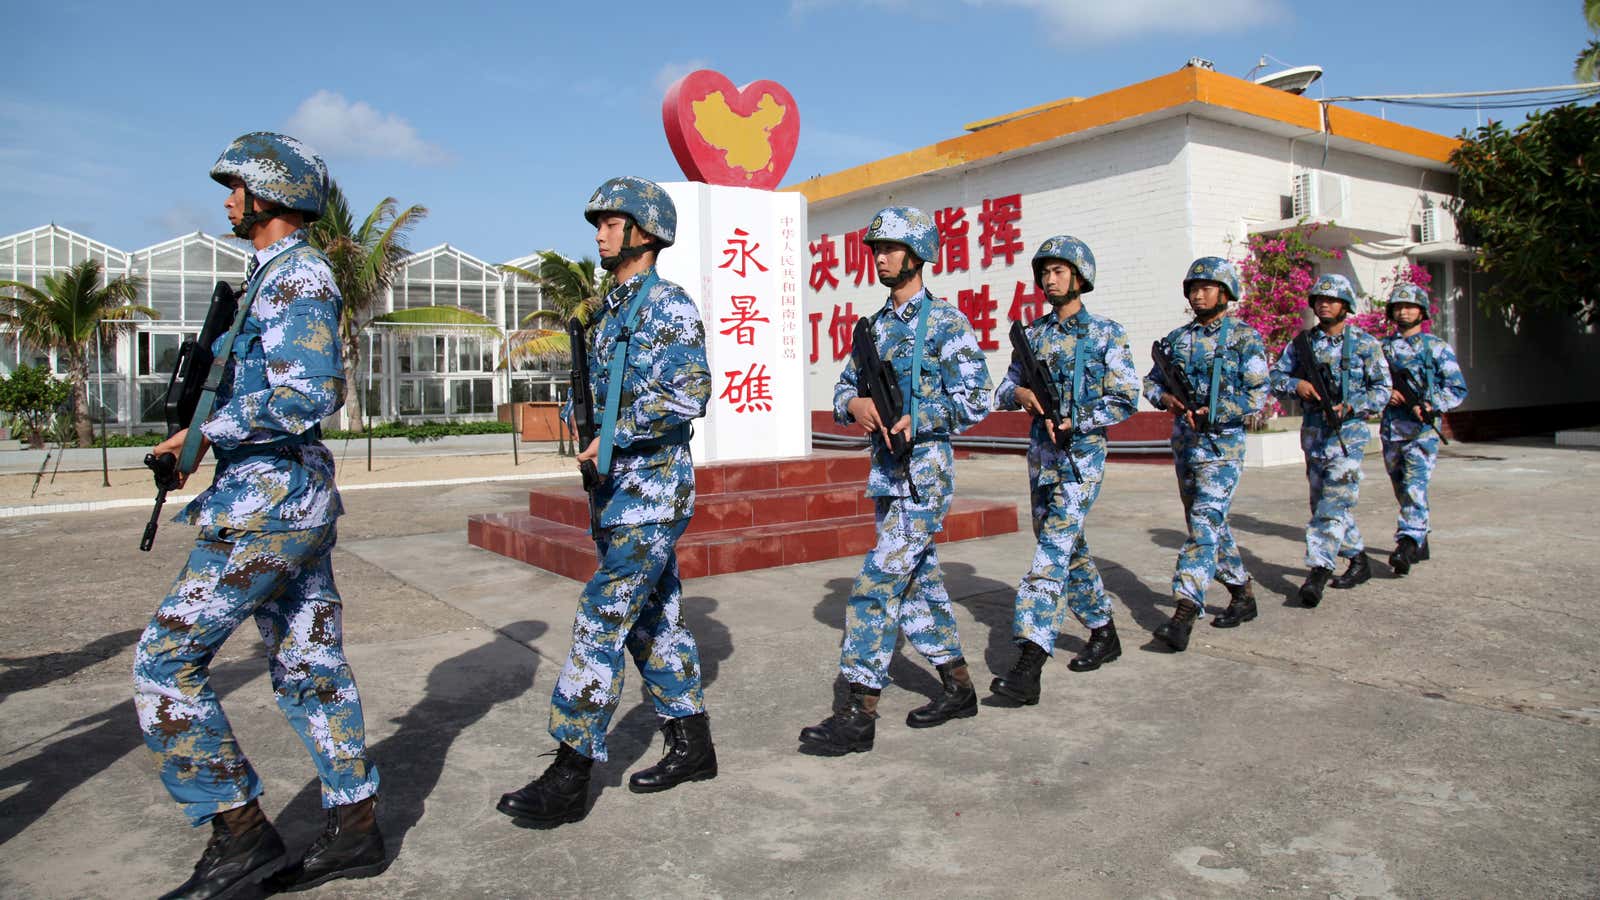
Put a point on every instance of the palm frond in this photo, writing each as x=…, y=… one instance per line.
x=540, y=345
x=444, y=318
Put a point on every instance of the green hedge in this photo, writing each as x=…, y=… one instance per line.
x=416, y=431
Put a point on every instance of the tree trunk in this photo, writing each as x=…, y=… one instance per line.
x=354, y=401
x=79, y=373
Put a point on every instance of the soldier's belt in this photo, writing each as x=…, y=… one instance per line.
x=270, y=448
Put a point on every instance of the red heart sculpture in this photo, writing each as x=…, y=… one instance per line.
x=742, y=137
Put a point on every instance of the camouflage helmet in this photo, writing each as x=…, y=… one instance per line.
x=1217, y=269
x=1335, y=286
x=1069, y=250
x=640, y=199
x=1407, y=293
x=905, y=225
x=278, y=169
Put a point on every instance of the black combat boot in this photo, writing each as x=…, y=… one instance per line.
x=1103, y=647
x=1405, y=553
x=1422, y=552
x=244, y=850
x=958, y=701
x=1311, y=591
x=1241, y=606
x=690, y=756
x=1022, y=682
x=560, y=795
x=850, y=729
x=1359, y=571
x=1175, y=634
x=350, y=846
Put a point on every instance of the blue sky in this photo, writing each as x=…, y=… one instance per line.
x=502, y=118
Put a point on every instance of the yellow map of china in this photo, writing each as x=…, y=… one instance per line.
x=743, y=140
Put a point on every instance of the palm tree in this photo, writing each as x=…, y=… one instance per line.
x=65, y=317
x=570, y=288
x=365, y=260
x=1586, y=67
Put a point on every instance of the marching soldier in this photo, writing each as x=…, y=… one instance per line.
x=267, y=531
x=647, y=364
x=1088, y=358
x=1334, y=447
x=1225, y=364
x=945, y=383
x=1410, y=444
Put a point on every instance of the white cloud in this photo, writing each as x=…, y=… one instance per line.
x=1071, y=21
x=668, y=74
x=336, y=126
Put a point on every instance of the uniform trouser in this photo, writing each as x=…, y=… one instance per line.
x=634, y=601
x=900, y=589
x=1410, y=466
x=284, y=579
x=1063, y=575
x=1206, y=489
x=1335, y=483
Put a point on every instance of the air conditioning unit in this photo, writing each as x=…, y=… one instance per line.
x=1320, y=194
x=1436, y=224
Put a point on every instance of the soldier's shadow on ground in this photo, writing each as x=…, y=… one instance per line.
x=1150, y=609
x=634, y=734
x=59, y=765
x=24, y=673
x=459, y=692
x=1246, y=522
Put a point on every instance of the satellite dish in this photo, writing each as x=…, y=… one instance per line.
x=1294, y=80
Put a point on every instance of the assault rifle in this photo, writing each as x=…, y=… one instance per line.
x=1036, y=378
x=1322, y=381
x=183, y=395
x=1177, y=381
x=584, y=420
x=1411, y=396
x=876, y=381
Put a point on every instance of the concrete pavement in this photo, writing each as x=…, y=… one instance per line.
x=1430, y=736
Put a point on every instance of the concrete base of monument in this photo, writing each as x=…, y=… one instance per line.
x=748, y=515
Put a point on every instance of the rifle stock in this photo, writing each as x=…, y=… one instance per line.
x=584, y=420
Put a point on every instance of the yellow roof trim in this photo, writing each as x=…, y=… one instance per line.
x=981, y=124
x=1188, y=85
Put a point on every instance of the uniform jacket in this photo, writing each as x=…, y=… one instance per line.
x=952, y=396
x=1368, y=392
x=1242, y=385
x=1416, y=354
x=665, y=385
x=286, y=374
x=1110, y=392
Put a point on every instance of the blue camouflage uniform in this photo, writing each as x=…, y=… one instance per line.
x=1065, y=485
x=634, y=600
x=1208, y=463
x=901, y=585
x=267, y=530
x=1334, y=452
x=1410, y=448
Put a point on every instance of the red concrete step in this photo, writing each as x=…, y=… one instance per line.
x=817, y=468
x=722, y=511
x=567, y=549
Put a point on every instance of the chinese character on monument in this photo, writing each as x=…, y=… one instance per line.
x=744, y=312
x=740, y=253
x=749, y=390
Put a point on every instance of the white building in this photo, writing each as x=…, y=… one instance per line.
x=1156, y=174
x=408, y=371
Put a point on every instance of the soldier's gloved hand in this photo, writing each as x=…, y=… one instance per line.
x=1396, y=398
x=1305, y=391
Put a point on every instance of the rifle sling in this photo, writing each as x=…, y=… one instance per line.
x=189, y=457
x=619, y=359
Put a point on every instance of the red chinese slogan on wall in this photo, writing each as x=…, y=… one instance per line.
x=999, y=238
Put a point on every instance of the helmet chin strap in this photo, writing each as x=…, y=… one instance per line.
x=610, y=263
x=253, y=217
x=906, y=271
